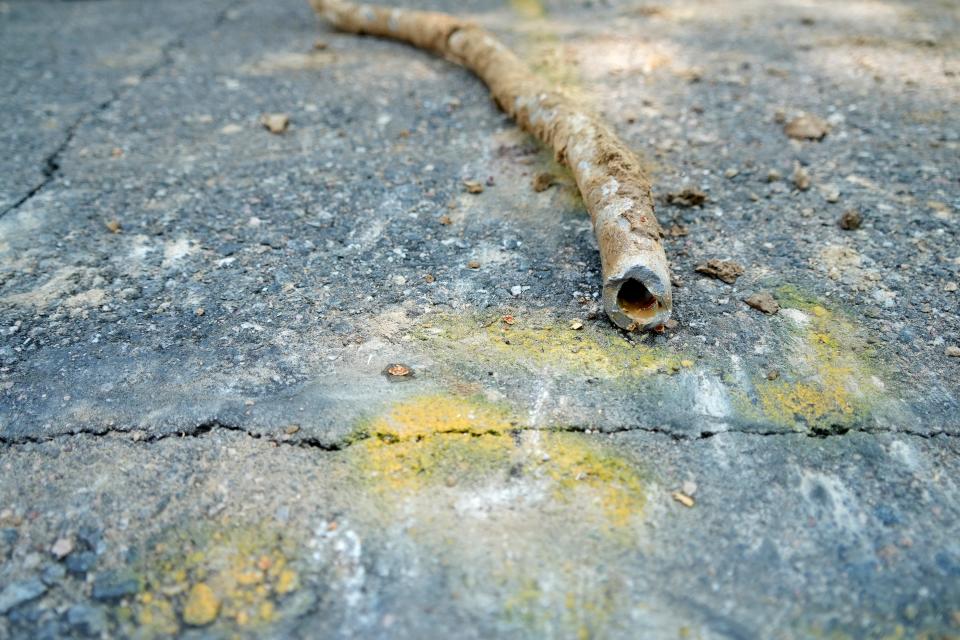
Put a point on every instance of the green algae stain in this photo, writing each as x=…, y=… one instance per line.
x=228, y=577
x=535, y=342
x=831, y=381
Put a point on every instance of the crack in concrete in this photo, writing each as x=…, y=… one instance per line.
x=51, y=163
x=204, y=428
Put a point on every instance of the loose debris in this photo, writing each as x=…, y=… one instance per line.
x=725, y=270
x=801, y=179
x=850, y=220
x=396, y=372
x=952, y=351
x=688, y=197
x=113, y=226
x=576, y=325
x=275, y=123
x=473, y=264
x=62, y=548
x=763, y=302
x=615, y=187
x=543, y=181
x=472, y=186
x=806, y=127
x=678, y=231
x=683, y=499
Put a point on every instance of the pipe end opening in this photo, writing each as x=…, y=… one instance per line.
x=636, y=301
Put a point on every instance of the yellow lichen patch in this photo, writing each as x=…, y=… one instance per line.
x=831, y=377
x=228, y=577
x=582, y=609
x=540, y=341
x=528, y=8
x=579, y=467
x=428, y=415
x=435, y=438
x=437, y=443
x=202, y=605
x=158, y=615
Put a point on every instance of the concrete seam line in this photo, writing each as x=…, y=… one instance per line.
x=616, y=190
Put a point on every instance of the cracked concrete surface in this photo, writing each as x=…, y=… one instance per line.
x=197, y=437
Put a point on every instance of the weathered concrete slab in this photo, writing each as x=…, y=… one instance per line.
x=169, y=267
x=479, y=535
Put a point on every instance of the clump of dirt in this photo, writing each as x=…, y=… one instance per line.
x=807, y=127
x=473, y=186
x=543, y=181
x=725, y=270
x=850, y=220
x=688, y=197
x=763, y=302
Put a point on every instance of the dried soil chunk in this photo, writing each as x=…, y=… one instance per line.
x=542, y=181
x=725, y=270
x=850, y=220
x=806, y=127
x=763, y=302
x=472, y=186
x=687, y=198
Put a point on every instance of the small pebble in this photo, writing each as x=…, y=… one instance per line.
x=683, y=499
x=952, y=351
x=62, y=548
x=472, y=186
x=275, y=123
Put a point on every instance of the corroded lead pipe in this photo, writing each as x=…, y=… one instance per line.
x=615, y=189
